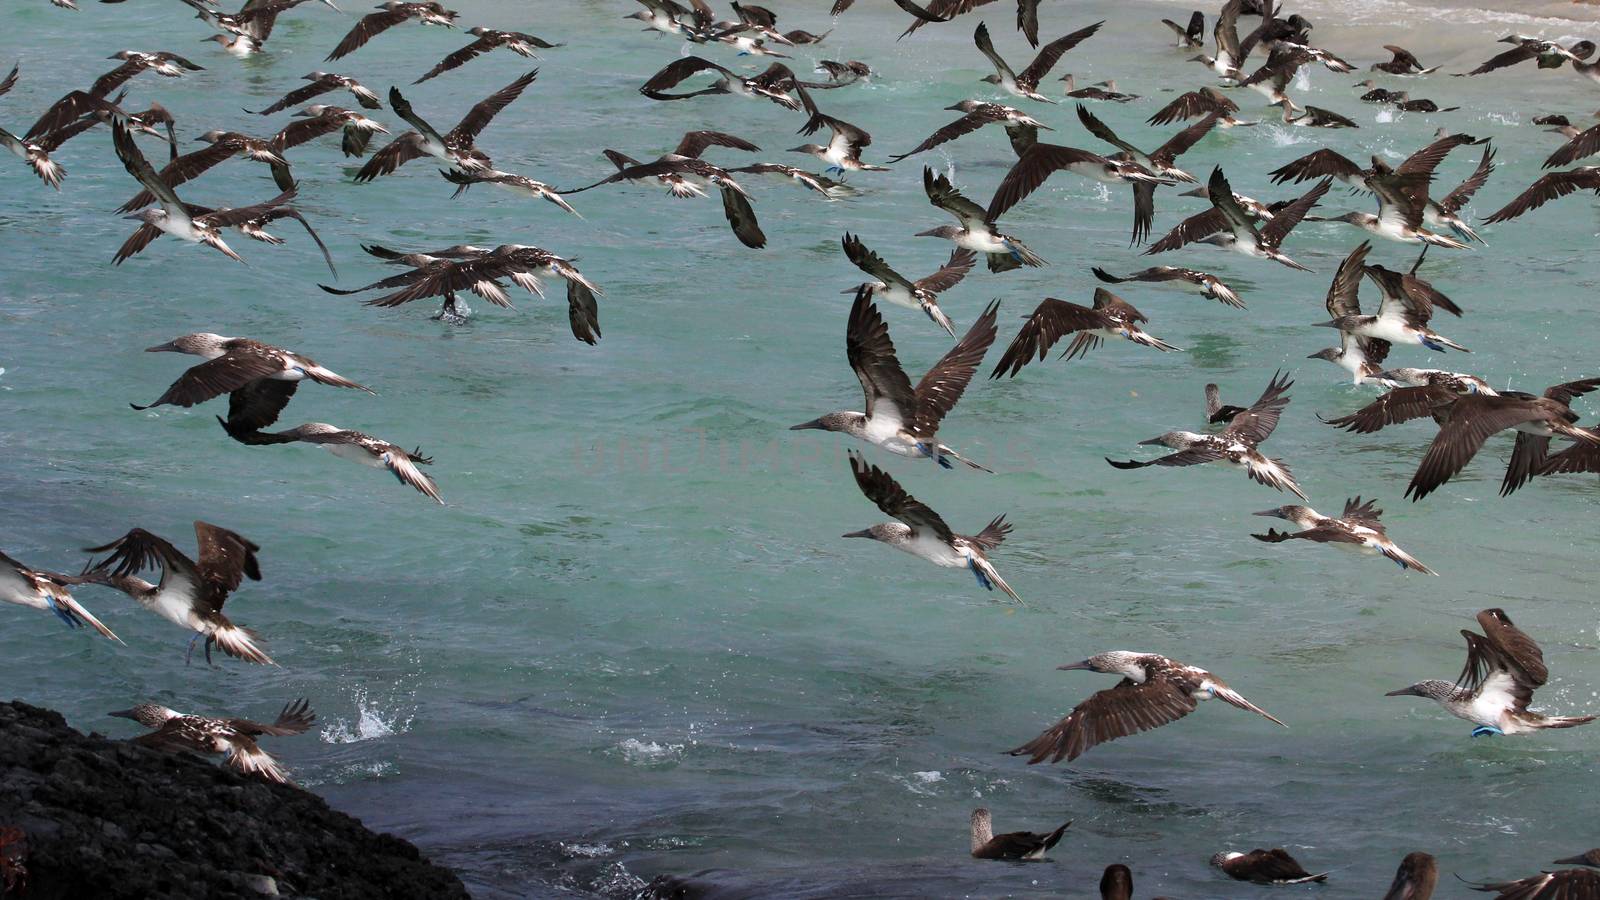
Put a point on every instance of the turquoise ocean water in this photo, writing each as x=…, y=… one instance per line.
x=634, y=643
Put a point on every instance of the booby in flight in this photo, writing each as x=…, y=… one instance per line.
x=1207, y=284
x=1550, y=186
x=39, y=589
x=322, y=83
x=1565, y=884
x=1026, y=82
x=1550, y=54
x=1504, y=667
x=1163, y=160
x=1415, y=879
x=774, y=84
x=235, y=738
x=921, y=532
x=1154, y=691
x=921, y=294
x=390, y=14
x=977, y=115
x=356, y=447
x=1403, y=63
x=456, y=148
x=489, y=39
x=977, y=232
x=1038, y=162
x=901, y=419
x=1191, y=36
x=1357, y=527
x=1230, y=226
x=1110, y=317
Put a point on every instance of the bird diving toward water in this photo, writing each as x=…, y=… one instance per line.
x=39, y=589
x=921, y=294
x=222, y=146
x=1273, y=866
x=173, y=216
x=1415, y=879
x=1206, y=284
x=489, y=39
x=1504, y=667
x=322, y=83
x=456, y=148
x=1154, y=691
x=79, y=103
x=977, y=232
x=1403, y=313
x=901, y=419
x=1038, y=162
x=1237, y=445
x=1356, y=528
x=258, y=378
x=1110, y=317
x=842, y=153
x=977, y=115
x=1550, y=186
x=1197, y=104
x=1026, y=845
x=685, y=176
x=1231, y=51
x=356, y=447
x=1026, y=83
x=190, y=594
x=774, y=84
x=921, y=532
x=175, y=732
x=390, y=14
x=1232, y=227
x=1163, y=160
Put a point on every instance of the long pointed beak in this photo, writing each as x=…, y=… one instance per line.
x=1572, y=861
x=953, y=106
x=1082, y=665
x=932, y=232
x=1153, y=442
x=864, y=533
x=134, y=218
x=1325, y=324
x=1197, y=192
x=122, y=714
x=162, y=348
x=852, y=290
x=813, y=424
x=1268, y=512
x=1316, y=355
x=1403, y=692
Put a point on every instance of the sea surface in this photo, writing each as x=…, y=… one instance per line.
x=633, y=643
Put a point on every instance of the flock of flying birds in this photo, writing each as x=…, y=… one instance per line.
x=1504, y=665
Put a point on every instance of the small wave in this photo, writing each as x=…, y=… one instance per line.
x=647, y=753
x=371, y=722
x=587, y=851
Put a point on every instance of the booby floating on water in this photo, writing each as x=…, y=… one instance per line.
x=1023, y=845
x=235, y=738
x=1403, y=63
x=1100, y=90
x=390, y=14
x=1110, y=317
x=1237, y=445
x=977, y=232
x=1230, y=226
x=1026, y=82
x=1415, y=879
x=1116, y=882
x=190, y=594
x=322, y=83
x=1313, y=117
x=38, y=589
x=1357, y=527
x=1504, y=667
x=901, y=419
x=456, y=148
x=356, y=447
x=489, y=39
x=260, y=379
x=978, y=114
x=920, y=531
x=1208, y=285
x=921, y=294
x=1273, y=866
x=1154, y=691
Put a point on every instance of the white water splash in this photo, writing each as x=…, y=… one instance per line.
x=587, y=851
x=649, y=753
x=371, y=722
x=1384, y=115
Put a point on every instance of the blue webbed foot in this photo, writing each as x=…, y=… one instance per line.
x=1431, y=345
x=983, y=580
x=1484, y=730
x=944, y=462
x=189, y=657
x=63, y=615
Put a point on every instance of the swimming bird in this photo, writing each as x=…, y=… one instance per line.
x=1217, y=412
x=1236, y=445
x=260, y=379
x=842, y=153
x=1550, y=186
x=1550, y=54
x=1377, y=94
x=222, y=146
x=1577, y=884
x=977, y=115
x=78, y=103
x=1116, y=883
x=920, y=531
x=1360, y=355
x=322, y=83
x=173, y=216
x=489, y=39
x=390, y=14
x=1103, y=90
x=1026, y=845
x=1273, y=866
x=1357, y=527
x=235, y=738
x=190, y=594
x=1230, y=226
x=774, y=84
x=1110, y=317
x=456, y=148
x=849, y=71
x=1154, y=691
x=1163, y=160
x=1207, y=284
x=39, y=589
x=319, y=119
x=1314, y=117
x=1403, y=63
x=356, y=447
x=1504, y=667
x=977, y=232
x=1037, y=163
x=1403, y=313
x=1197, y=103
x=1191, y=36
x=895, y=288
x=901, y=419
x=1026, y=82
x=1415, y=879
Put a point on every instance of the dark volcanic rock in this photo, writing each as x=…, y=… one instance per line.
x=107, y=819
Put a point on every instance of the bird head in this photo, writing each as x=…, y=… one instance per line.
x=807, y=148
x=1220, y=858
x=835, y=421
x=1331, y=354
x=1433, y=689
x=875, y=533
x=150, y=715
x=1112, y=661
x=948, y=232
x=1173, y=439
x=990, y=79
x=199, y=343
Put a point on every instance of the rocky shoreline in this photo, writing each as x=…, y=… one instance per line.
x=85, y=816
